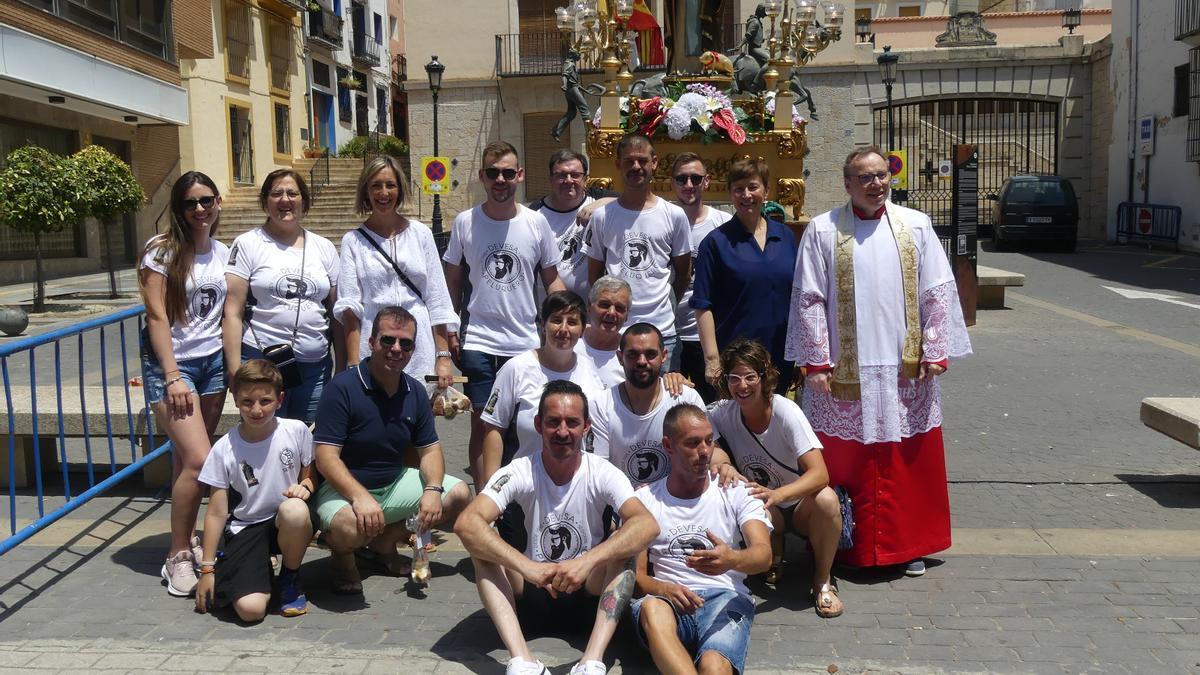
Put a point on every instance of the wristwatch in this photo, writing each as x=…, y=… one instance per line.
x=443, y=355
x=435, y=488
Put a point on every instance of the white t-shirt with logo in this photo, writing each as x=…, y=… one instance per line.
x=563, y=521
x=683, y=524
x=685, y=316
x=199, y=333
x=505, y=257
x=518, y=390
x=568, y=237
x=608, y=368
x=787, y=438
x=258, y=472
x=279, y=286
x=638, y=246
x=633, y=443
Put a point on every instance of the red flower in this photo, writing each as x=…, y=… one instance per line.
x=652, y=114
x=724, y=120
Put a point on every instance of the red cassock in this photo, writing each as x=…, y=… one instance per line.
x=901, y=504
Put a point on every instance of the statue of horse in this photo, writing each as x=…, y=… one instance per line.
x=649, y=87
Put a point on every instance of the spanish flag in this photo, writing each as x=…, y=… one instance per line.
x=650, y=38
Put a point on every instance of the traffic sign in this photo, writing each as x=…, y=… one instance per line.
x=1145, y=221
x=945, y=169
x=435, y=175
x=898, y=166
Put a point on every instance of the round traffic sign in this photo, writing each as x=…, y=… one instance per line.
x=435, y=171
x=895, y=164
x=1145, y=221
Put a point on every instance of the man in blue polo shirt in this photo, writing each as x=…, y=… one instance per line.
x=369, y=418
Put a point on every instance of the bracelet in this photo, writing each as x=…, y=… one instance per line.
x=208, y=563
x=171, y=382
x=207, y=570
x=443, y=355
x=435, y=488
x=173, y=370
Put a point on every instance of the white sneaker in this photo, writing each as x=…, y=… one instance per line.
x=589, y=668
x=520, y=666
x=197, y=551
x=180, y=574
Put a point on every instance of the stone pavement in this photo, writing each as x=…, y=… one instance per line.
x=1077, y=547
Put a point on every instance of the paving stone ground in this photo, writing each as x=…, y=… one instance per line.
x=1042, y=437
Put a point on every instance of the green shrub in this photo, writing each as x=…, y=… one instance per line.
x=388, y=145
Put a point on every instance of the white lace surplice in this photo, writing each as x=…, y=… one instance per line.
x=891, y=407
x=368, y=284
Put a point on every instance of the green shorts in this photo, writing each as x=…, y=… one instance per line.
x=398, y=500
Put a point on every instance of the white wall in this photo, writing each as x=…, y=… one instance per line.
x=1143, y=65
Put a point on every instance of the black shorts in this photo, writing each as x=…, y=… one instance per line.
x=245, y=563
x=537, y=609
x=511, y=527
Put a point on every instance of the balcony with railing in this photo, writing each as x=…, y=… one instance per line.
x=1187, y=21
x=366, y=50
x=525, y=54
x=399, y=68
x=325, y=27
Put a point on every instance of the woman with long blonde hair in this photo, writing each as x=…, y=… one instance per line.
x=182, y=280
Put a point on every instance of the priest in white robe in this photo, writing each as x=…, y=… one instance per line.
x=875, y=319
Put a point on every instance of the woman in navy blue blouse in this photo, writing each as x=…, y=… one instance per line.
x=743, y=277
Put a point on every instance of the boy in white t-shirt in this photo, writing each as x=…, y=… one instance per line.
x=506, y=248
x=266, y=462
x=642, y=239
x=565, y=563
x=627, y=421
x=696, y=608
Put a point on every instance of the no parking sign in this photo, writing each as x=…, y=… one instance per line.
x=898, y=166
x=435, y=175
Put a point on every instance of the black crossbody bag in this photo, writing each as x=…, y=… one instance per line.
x=399, y=272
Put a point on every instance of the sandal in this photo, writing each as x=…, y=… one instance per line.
x=823, y=601
x=346, y=579
x=392, y=563
x=774, y=574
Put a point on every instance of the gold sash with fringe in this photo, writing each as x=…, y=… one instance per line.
x=845, y=384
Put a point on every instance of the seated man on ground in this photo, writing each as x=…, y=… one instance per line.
x=267, y=463
x=697, y=613
x=370, y=416
x=565, y=564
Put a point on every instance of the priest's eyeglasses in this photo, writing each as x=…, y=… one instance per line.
x=865, y=179
x=748, y=380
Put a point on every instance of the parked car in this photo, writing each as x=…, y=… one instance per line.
x=1035, y=208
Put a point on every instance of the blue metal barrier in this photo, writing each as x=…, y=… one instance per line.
x=1151, y=222
x=93, y=328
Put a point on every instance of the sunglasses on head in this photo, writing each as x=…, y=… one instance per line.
x=493, y=173
x=389, y=341
x=206, y=202
x=694, y=178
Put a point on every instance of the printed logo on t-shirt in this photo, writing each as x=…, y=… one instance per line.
x=646, y=462
x=204, y=300
x=501, y=267
x=636, y=256
x=686, y=540
x=570, y=249
x=287, y=458
x=501, y=481
x=248, y=474
x=233, y=254
x=490, y=407
x=760, y=470
x=292, y=285
x=560, y=539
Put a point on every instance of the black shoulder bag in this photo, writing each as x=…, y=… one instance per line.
x=283, y=355
x=399, y=272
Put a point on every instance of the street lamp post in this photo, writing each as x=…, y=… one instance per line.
x=434, y=70
x=887, y=71
x=1071, y=18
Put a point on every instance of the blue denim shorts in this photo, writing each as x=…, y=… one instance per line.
x=480, y=369
x=204, y=375
x=722, y=625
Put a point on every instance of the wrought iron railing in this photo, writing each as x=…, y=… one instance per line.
x=366, y=50
x=318, y=175
x=1187, y=18
x=399, y=68
x=326, y=27
x=524, y=54
x=45, y=426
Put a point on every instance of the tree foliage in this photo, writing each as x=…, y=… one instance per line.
x=39, y=191
x=106, y=184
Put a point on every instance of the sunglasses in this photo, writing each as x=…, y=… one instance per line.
x=389, y=341
x=694, y=179
x=206, y=202
x=493, y=173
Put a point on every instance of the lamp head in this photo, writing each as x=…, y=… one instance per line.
x=434, y=70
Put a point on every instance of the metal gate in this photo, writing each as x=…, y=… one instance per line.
x=1013, y=136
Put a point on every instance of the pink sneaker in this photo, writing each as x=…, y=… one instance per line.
x=180, y=574
x=197, y=552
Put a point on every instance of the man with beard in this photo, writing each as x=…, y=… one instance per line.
x=689, y=176
x=656, y=229
x=696, y=612
x=557, y=578
x=503, y=312
x=872, y=391
x=627, y=422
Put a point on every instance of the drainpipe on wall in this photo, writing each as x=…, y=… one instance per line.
x=1130, y=145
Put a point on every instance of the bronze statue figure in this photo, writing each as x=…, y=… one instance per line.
x=573, y=92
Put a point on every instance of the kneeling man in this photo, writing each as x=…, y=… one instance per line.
x=565, y=563
x=696, y=613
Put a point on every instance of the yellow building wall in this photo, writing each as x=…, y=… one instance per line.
x=461, y=33
x=205, y=145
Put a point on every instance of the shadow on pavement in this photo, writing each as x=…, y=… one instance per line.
x=1122, y=264
x=1174, y=491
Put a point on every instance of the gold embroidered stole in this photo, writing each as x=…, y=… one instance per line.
x=845, y=385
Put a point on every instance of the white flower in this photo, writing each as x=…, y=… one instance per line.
x=694, y=103
x=678, y=121
x=704, y=119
